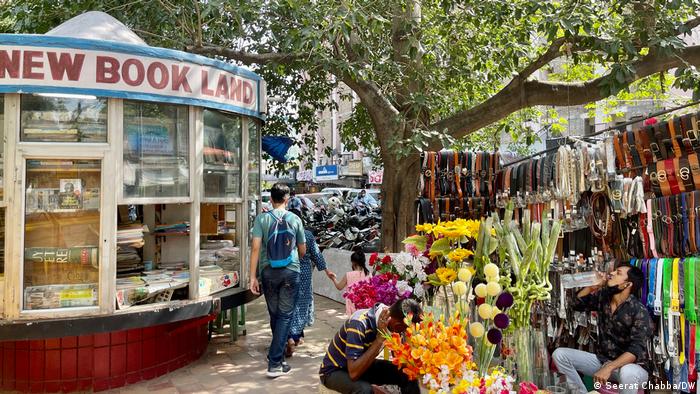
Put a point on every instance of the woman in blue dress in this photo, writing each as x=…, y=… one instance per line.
x=304, y=310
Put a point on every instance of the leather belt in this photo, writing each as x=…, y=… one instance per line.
x=686, y=174
x=662, y=178
x=636, y=161
x=690, y=199
x=671, y=174
x=676, y=138
x=619, y=153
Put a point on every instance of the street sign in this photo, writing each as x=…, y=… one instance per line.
x=375, y=177
x=326, y=173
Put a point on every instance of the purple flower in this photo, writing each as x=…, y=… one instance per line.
x=494, y=336
x=501, y=321
x=505, y=300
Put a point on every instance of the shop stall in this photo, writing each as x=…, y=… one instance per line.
x=130, y=177
x=625, y=195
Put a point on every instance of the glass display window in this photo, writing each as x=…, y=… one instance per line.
x=253, y=159
x=219, y=253
x=222, y=155
x=61, y=233
x=2, y=147
x=156, y=150
x=50, y=118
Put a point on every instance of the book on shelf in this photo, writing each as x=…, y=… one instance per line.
x=83, y=255
x=60, y=296
x=91, y=198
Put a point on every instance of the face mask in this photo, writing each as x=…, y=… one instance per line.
x=612, y=290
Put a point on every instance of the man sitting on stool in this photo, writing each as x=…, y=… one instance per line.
x=351, y=365
x=624, y=329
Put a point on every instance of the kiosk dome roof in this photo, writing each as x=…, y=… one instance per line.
x=96, y=25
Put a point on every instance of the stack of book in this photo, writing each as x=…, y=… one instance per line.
x=221, y=253
x=129, y=240
x=174, y=228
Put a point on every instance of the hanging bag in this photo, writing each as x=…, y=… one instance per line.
x=281, y=241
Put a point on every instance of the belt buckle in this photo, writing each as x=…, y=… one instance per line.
x=666, y=219
x=654, y=148
x=675, y=306
x=661, y=175
x=685, y=173
x=483, y=174
x=616, y=195
x=428, y=173
x=654, y=178
x=657, y=307
x=465, y=172
x=692, y=136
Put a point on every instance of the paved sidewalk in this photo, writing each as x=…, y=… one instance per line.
x=241, y=367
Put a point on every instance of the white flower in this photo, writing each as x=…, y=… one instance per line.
x=403, y=287
x=418, y=290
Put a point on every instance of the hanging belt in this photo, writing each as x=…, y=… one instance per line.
x=506, y=181
x=690, y=200
x=632, y=143
x=695, y=170
x=686, y=174
x=685, y=243
x=645, y=271
x=676, y=138
x=671, y=175
x=626, y=151
x=650, y=228
x=654, y=179
x=660, y=283
x=658, y=225
x=663, y=178
x=651, y=285
x=619, y=153
x=675, y=287
x=642, y=140
x=655, y=143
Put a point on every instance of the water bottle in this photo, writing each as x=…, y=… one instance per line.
x=580, y=279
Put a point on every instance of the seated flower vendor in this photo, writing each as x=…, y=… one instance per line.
x=351, y=365
x=624, y=330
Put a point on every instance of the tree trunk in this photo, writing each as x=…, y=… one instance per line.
x=400, y=189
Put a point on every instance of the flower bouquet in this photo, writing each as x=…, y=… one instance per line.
x=437, y=350
x=379, y=288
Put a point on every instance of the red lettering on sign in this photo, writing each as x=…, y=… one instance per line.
x=222, y=87
x=164, y=76
x=9, y=65
x=107, y=69
x=235, y=92
x=29, y=64
x=140, y=72
x=65, y=65
x=205, y=84
x=247, y=92
x=180, y=78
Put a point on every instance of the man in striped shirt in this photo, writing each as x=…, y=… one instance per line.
x=351, y=365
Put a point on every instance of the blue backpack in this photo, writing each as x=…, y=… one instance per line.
x=281, y=241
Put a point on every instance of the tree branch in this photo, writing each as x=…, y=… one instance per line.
x=247, y=58
x=553, y=52
x=519, y=94
x=688, y=26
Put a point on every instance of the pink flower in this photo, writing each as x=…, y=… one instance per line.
x=413, y=250
x=527, y=388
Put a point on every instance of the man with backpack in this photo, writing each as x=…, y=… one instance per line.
x=278, y=244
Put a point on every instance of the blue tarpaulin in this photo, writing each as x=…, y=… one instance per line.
x=277, y=147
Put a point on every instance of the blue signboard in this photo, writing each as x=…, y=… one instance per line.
x=326, y=173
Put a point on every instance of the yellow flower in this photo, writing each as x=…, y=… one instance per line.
x=485, y=311
x=424, y=228
x=476, y=329
x=464, y=274
x=460, y=288
x=480, y=290
x=493, y=289
x=446, y=275
x=459, y=254
x=491, y=269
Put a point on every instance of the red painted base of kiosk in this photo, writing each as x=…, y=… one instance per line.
x=101, y=361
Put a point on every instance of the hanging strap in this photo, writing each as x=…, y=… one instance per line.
x=651, y=285
x=675, y=290
x=668, y=274
x=660, y=283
